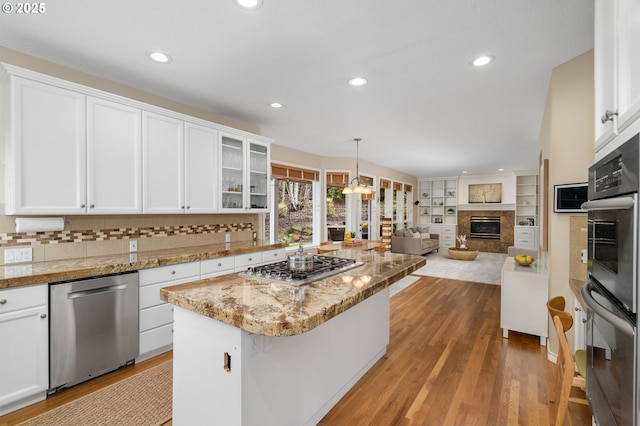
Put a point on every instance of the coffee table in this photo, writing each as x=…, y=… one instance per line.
x=462, y=254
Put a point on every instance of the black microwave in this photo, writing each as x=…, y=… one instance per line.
x=568, y=198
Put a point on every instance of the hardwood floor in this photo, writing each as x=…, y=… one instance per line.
x=446, y=364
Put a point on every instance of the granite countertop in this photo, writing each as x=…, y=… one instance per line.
x=278, y=309
x=17, y=275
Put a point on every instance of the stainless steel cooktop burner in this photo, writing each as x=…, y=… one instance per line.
x=323, y=267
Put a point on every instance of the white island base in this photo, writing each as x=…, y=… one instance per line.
x=272, y=380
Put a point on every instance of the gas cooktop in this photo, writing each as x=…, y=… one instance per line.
x=323, y=267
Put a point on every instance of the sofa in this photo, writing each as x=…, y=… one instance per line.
x=416, y=241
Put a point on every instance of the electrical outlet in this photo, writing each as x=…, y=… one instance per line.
x=227, y=238
x=18, y=255
x=133, y=245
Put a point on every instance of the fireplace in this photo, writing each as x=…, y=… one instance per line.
x=491, y=245
x=485, y=227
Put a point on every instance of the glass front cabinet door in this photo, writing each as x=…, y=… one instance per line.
x=258, y=176
x=244, y=168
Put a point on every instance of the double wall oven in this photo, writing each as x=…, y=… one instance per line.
x=611, y=292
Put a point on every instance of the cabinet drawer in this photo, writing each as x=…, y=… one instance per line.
x=524, y=233
x=156, y=316
x=156, y=338
x=276, y=255
x=220, y=266
x=23, y=297
x=447, y=230
x=169, y=273
x=249, y=259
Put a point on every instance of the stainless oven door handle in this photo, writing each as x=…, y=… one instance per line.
x=618, y=203
x=607, y=315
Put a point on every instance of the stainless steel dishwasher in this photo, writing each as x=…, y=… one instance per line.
x=93, y=327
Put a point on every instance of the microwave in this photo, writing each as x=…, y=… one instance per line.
x=569, y=197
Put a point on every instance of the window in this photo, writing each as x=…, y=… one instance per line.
x=294, y=209
x=336, y=205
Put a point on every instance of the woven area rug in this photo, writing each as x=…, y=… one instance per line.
x=486, y=268
x=143, y=399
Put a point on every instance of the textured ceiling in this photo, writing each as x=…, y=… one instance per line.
x=426, y=111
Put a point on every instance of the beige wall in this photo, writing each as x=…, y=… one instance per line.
x=566, y=139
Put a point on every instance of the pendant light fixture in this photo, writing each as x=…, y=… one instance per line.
x=358, y=188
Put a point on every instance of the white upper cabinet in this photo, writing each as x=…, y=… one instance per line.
x=244, y=174
x=258, y=167
x=163, y=163
x=45, y=149
x=201, y=169
x=616, y=67
x=232, y=172
x=114, y=158
x=71, y=149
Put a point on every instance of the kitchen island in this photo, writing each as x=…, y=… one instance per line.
x=249, y=351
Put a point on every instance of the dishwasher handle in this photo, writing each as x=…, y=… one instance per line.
x=83, y=293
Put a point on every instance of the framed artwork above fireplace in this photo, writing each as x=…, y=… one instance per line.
x=485, y=193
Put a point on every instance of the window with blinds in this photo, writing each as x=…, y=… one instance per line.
x=295, y=174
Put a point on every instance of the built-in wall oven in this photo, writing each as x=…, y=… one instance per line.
x=611, y=292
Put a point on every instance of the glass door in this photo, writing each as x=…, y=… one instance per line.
x=232, y=170
x=258, y=176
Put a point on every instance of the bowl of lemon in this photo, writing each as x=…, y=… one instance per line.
x=524, y=260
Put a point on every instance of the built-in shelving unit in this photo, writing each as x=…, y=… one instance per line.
x=527, y=200
x=438, y=201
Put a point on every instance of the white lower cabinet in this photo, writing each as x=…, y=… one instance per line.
x=271, y=256
x=523, y=299
x=24, y=352
x=156, y=316
x=447, y=234
x=215, y=267
x=526, y=237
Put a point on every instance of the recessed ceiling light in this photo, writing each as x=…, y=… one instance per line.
x=249, y=4
x=464, y=172
x=481, y=61
x=357, y=81
x=275, y=105
x=501, y=170
x=160, y=57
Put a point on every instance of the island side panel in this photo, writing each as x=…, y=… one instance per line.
x=296, y=380
x=204, y=393
x=292, y=380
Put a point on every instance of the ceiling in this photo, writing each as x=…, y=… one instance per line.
x=425, y=111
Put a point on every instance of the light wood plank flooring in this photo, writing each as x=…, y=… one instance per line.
x=446, y=364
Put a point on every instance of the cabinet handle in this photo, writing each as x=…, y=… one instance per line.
x=91, y=206
x=43, y=316
x=188, y=207
x=608, y=116
x=584, y=320
x=219, y=265
x=173, y=272
x=577, y=309
x=3, y=301
x=82, y=206
x=182, y=207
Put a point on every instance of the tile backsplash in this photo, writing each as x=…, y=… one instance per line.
x=85, y=236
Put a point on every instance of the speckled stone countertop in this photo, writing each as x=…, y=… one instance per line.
x=61, y=270
x=278, y=309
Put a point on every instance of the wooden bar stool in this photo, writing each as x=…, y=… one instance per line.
x=564, y=376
